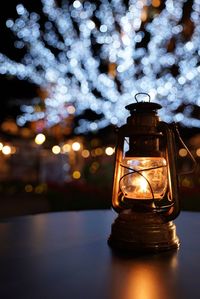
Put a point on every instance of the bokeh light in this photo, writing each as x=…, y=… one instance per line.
x=56, y=149
x=66, y=148
x=109, y=151
x=6, y=150
x=198, y=152
x=76, y=146
x=85, y=153
x=76, y=174
x=40, y=138
x=28, y=188
x=183, y=152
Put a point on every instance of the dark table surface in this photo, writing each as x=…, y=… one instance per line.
x=65, y=255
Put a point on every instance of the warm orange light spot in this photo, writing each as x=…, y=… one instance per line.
x=112, y=70
x=28, y=188
x=183, y=152
x=155, y=3
x=66, y=148
x=76, y=174
x=144, y=282
x=144, y=14
x=98, y=151
x=198, y=152
x=85, y=153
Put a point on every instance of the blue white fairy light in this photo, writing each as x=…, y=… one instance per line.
x=72, y=69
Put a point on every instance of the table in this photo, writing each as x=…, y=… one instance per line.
x=65, y=255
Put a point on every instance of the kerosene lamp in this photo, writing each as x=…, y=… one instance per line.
x=145, y=185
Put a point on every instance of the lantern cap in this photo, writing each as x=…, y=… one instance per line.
x=143, y=107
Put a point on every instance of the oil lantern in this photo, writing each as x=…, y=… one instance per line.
x=145, y=185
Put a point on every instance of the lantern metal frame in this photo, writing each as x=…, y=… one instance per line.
x=146, y=226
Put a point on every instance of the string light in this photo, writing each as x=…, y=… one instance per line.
x=73, y=78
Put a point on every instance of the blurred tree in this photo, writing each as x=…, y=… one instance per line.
x=98, y=55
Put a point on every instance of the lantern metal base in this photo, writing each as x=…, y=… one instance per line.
x=142, y=232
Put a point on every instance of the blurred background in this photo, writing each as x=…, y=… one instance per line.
x=67, y=70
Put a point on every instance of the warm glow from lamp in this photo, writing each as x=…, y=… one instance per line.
x=40, y=138
x=143, y=185
x=144, y=282
x=56, y=149
x=1, y=146
x=6, y=150
x=135, y=183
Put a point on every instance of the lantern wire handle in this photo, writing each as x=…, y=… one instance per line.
x=144, y=93
x=190, y=154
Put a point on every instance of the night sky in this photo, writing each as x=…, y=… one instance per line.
x=13, y=91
